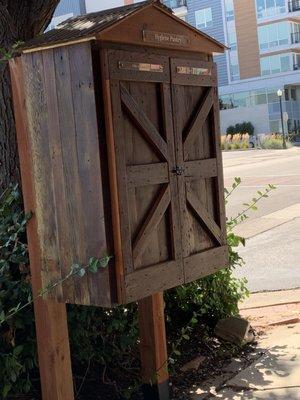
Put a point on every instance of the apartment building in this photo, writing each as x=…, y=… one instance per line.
x=264, y=55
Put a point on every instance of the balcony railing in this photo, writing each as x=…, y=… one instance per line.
x=295, y=37
x=177, y=3
x=294, y=5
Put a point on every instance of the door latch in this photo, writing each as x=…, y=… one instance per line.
x=178, y=170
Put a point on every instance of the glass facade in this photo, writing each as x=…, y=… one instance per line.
x=269, y=8
x=204, y=18
x=275, y=64
x=274, y=35
x=229, y=9
x=253, y=98
x=234, y=66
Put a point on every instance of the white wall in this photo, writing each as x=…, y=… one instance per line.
x=258, y=115
x=98, y=5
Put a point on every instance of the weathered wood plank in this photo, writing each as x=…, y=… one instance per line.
x=153, y=218
x=39, y=129
x=120, y=157
x=205, y=263
x=113, y=177
x=200, y=169
x=174, y=215
x=143, y=122
x=77, y=247
x=88, y=156
x=198, y=121
x=219, y=182
x=150, y=174
x=50, y=317
x=201, y=213
x=159, y=277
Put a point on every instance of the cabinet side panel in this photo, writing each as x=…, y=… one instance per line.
x=64, y=135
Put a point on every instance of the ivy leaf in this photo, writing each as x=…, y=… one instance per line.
x=18, y=350
x=94, y=264
x=104, y=261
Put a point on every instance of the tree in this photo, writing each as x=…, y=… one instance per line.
x=20, y=20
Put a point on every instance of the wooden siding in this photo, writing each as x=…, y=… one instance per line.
x=130, y=30
x=63, y=135
x=247, y=38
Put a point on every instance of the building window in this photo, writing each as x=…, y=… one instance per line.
x=293, y=94
x=259, y=97
x=229, y=10
x=234, y=66
x=275, y=126
x=251, y=98
x=204, y=18
x=273, y=35
x=275, y=64
x=296, y=62
x=268, y=8
x=173, y=3
x=232, y=40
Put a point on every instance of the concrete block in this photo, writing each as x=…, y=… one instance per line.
x=235, y=330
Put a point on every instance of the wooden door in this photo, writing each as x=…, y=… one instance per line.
x=148, y=206
x=199, y=167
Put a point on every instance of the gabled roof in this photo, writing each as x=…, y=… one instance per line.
x=90, y=26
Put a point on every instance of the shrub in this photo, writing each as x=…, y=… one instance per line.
x=240, y=129
x=274, y=141
x=236, y=142
x=230, y=131
x=104, y=342
x=17, y=337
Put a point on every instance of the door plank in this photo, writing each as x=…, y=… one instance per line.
x=199, y=119
x=154, y=216
x=217, y=148
x=159, y=277
x=143, y=122
x=205, y=263
x=143, y=175
x=174, y=215
x=200, y=169
x=201, y=212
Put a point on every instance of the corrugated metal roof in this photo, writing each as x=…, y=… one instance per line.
x=87, y=25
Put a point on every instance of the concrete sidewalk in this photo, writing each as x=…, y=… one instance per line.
x=274, y=373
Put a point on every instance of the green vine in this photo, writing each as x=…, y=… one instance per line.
x=99, y=336
x=8, y=53
x=93, y=266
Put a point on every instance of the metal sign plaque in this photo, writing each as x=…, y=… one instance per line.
x=193, y=71
x=137, y=66
x=166, y=38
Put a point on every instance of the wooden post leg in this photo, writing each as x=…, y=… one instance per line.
x=153, y=348
x=53, y=350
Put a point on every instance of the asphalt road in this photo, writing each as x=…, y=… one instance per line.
x=272, y=252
